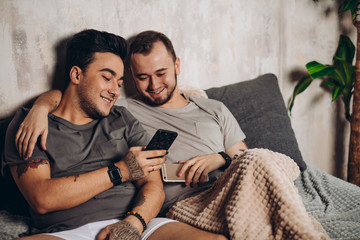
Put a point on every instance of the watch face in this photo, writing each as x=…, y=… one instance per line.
x=115, y=174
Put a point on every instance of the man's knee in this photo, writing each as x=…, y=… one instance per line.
x=39, y=237
x=221, y=237
x=183, y=231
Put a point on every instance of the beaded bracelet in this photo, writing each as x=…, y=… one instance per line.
x=139, y=217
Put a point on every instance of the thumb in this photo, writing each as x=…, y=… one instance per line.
x=103, y=234
x=43, y=139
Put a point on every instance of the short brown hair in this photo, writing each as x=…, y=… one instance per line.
x=143, y=43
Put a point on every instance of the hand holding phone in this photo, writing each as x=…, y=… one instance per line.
x=162, y=140
x=170, y=173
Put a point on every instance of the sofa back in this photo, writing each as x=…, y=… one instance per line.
x=259, y=108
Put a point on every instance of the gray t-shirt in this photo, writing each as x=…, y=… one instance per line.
x=204, y=126
x=76, y=149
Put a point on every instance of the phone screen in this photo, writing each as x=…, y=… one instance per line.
x=162, y=140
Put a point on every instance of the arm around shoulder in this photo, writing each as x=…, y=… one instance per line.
x=36, y=123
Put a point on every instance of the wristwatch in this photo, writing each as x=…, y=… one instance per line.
x=115, y=174
x=227, y=159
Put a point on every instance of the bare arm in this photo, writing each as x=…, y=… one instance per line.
x=45, y=194
x=36, y=123
x=236, y=150
x=147, y=203
x=201, y=166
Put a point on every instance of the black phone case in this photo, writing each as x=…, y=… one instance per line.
x=162, y=140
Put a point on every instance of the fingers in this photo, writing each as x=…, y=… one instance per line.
x=154, y=168
x=141, y=163
x=22, y=141
x=103, y=234
x=154, y=164
x=136, y=148
x=203, y=177
x=29, y=143
x=25, y=141
x=43, y=140
x=154, y=153
x=196, y=171
x=18, y=137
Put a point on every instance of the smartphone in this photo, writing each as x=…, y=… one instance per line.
x=161, y=140
x=170, y=172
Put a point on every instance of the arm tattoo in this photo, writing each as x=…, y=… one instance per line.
x=22, y=168
x=135, y=171
x=123, y=230
x=75, y=177
x=56, y=104
x=237, y=155
x=139, y=200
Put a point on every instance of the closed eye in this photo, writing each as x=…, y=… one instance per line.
x=142, y=77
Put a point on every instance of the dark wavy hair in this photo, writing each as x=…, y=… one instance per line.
x=82, y=46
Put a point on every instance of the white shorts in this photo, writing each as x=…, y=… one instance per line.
x=91, y=230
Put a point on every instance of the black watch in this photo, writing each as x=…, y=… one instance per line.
x=115, y=174
x=227, y=159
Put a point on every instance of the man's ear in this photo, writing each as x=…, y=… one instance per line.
x=75, y=74
x=177, y=66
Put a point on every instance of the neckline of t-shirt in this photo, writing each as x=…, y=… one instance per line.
x=72, y=125
x=189, y=107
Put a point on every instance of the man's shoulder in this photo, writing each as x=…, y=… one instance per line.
x=119, y=111
x=19, y=116
x=211, y=103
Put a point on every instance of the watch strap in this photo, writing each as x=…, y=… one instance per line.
x=227, y=159
x=114, y=174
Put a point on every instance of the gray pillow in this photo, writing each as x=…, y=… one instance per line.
x=259, y=108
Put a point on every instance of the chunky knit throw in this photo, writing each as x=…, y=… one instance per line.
x=255, y=198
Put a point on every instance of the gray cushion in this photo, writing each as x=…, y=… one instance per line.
x=260, y=110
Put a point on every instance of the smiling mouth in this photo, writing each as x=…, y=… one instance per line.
x=107, y=99
x=155, y=92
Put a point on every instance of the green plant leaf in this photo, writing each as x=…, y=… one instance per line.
x=331, y=84
x=336, y=92
x=299, y=88
x=345, y=50
x=318, y=70
x=344, y=73
x=348, y=4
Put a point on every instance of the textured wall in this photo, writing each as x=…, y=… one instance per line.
x=219, y=42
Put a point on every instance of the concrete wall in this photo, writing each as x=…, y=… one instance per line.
x=219, y=42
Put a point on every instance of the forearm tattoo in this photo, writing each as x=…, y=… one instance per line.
x=139, y=200
x=56, y=104
x=35, y=163
x=75, y=177
x=124, y=231
x=135, y=171
x=237, y=155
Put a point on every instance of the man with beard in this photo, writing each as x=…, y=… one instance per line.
x=94, y=171
x=208, y=134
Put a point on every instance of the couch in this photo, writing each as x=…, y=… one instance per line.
x=259, y=108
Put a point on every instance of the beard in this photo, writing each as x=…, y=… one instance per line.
x=159, y=101
x=89, y=106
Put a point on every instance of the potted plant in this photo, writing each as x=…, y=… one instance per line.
x=344, y=80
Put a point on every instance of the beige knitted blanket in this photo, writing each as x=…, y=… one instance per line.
x=255, y=198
